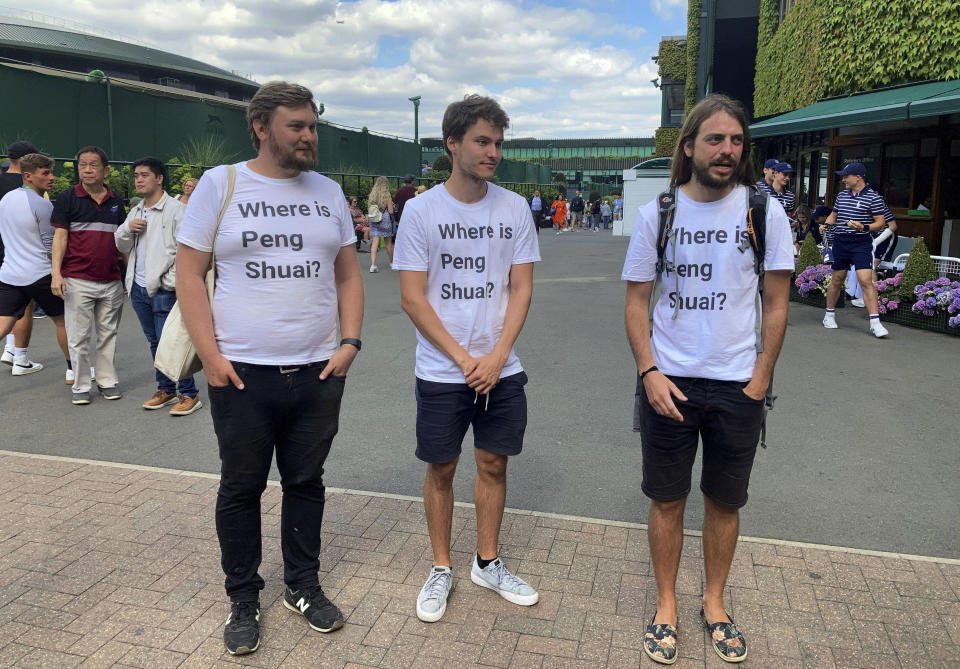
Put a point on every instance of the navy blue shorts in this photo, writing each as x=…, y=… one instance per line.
x=727, y=421
x=446, y=410
x=856, y=250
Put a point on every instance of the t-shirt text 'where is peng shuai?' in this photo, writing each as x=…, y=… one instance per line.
x=450, y=290
x=293, y=241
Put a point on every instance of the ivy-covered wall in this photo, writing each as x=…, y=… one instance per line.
x=666, y=140
x=831, y=47
x=672, y=60
x=693, y=52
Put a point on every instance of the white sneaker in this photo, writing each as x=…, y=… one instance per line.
x=432, y=600
x=858, y=303
x=29, y=368
x=374, y=269
x=69, y=377
x=830, y=321
x=876, y=327
x=7, y=357
x=499, y=579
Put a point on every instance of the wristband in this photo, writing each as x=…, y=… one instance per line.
x=352, y=342
x=647, y=371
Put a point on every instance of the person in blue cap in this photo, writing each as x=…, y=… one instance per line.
x=779, y=187
x=856, y=212
x=767, y=179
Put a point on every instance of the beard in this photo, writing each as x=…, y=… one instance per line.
x=703, y=176
x=291, y=159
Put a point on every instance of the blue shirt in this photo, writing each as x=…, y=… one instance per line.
x=860, y=207
x=536, y=204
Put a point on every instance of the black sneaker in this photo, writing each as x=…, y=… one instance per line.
x=313, y=605
x=241, y=634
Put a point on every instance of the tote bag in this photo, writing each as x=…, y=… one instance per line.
x=176, y=355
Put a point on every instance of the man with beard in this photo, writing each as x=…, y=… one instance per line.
x=702, y=376
x=283, y=242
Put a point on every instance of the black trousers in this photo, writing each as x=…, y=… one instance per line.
x=296, y=414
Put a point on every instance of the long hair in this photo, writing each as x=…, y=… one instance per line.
x=380, y=193
x=680, y=170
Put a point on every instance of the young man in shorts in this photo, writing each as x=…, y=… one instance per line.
x=28, y=237
x=857, y=212
x=465, y=254
x=703, y=374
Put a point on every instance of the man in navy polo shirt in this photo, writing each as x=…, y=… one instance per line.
x=86, y=272
x=856, y=212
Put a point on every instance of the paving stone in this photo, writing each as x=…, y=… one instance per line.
x=88, y=553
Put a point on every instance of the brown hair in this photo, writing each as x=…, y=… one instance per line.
x=680, y=170
x=35, y=161
x=272, y=95
x=461, y=115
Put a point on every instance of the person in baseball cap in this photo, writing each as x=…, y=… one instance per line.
x=19, y=149
x=768, y=172
x=855, y=169
x=778, y=188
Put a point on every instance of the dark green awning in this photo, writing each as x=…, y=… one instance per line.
x=892, y=104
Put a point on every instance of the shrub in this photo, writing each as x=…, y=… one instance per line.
x=918, y=270
x=442, y=164
x=809, y=254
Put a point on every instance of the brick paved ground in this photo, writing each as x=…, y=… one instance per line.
x=109, y=566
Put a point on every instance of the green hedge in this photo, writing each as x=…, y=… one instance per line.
x=831, y=47
x=672, y=60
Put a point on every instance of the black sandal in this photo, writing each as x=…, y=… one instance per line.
x=660, y=642
x=721, y=634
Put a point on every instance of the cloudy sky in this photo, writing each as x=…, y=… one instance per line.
x=560, y=68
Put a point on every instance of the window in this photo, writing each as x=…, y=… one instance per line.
x=672, y=113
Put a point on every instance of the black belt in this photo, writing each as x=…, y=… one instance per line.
x=286, y=369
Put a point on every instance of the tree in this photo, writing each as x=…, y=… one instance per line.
x=442, y=163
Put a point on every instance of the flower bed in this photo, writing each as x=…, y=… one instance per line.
x=810, y=287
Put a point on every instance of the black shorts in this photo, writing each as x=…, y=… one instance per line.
x=446, y=410
x=14, y=299
x=725, y=418
x=885, y=249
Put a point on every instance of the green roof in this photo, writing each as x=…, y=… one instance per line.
x=891, y=104
x=35, y=38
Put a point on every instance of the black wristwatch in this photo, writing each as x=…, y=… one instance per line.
x=352, y=342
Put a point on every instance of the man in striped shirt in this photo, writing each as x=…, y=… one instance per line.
x=856, y=212
x=767, y=179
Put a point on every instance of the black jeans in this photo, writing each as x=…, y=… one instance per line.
x=298, y=414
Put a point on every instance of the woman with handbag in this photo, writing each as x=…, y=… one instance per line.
x=380, y=215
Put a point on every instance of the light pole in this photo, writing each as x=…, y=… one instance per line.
x=416, y=127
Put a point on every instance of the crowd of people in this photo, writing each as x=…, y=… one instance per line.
x=858, y=232
x=576, y=214
x=282, y=326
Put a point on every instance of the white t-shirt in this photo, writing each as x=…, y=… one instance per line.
x=275, y=301
x=27, y=237
x=713, y=336
x=467, y=251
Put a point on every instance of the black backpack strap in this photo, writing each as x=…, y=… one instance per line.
x=667, y=209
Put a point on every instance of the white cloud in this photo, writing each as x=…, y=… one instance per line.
x=588, y=74
x=664, y=8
